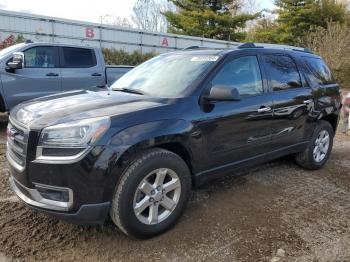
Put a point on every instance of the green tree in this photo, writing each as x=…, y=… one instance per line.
x=265, y=30
x=120, y=57
x=218, y=19
x=295, y=18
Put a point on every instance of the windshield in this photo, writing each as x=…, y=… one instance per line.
x=9, y=49
x=166, y=76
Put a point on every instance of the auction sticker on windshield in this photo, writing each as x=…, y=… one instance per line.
x=204, y=58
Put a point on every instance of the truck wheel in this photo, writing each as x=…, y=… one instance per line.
x=152, y=194
x=319, y=148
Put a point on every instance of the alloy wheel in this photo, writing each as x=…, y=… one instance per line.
x=157, y=196
x=321, y=146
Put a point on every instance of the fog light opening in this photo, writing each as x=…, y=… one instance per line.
x=61, y=195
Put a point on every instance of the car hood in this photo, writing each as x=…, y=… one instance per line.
x=76, y=105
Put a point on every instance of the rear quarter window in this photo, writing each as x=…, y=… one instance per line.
x=320, y=72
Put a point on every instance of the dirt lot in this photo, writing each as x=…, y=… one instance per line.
x=275, y=212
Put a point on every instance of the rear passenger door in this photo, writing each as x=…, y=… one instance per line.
x=292, y=100
x=79, y=69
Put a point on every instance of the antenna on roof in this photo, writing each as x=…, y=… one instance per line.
x=28, y=41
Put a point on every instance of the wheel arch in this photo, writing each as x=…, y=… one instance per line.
x=333, y=119
x=171, y=135
x=180, y=150
x=175, y=147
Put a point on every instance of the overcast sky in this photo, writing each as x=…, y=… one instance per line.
x=81, y=9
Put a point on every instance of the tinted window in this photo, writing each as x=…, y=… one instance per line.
x=39, y=57
x=283, y=72
x=242, y=73
x=319, y=70
x=78, y=57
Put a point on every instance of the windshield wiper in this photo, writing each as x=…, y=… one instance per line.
x=129, y=90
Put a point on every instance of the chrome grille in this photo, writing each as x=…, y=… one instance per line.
x=17, y=140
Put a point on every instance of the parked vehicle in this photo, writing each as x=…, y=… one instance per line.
x=31, y=70
x=171, y=124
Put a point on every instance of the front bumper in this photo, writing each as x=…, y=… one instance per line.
x=33, y=197
x=86, y=214
x=50, y=187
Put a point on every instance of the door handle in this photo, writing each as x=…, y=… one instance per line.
x=264, y=109
x=96, y=74
x=306, y=102
x=51, y=74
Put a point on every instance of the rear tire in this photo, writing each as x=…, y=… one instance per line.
x=152, y=194
x=319, y=148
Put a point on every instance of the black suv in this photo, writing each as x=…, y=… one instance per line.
x=171, y=124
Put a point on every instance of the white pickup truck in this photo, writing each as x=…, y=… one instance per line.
x=30, y=70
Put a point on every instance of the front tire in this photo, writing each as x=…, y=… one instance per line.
x=152, y=194
x=319, y=148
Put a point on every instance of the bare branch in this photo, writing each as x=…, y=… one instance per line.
x=148, y=15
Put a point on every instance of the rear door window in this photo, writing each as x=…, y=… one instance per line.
x=320, y=71
x=78, y=57
x=283, y=72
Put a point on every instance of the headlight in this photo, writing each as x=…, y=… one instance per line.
x=70, y=140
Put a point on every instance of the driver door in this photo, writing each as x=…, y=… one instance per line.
x=238, y=130
x=39, y=77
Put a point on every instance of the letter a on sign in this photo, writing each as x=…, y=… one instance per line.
x=165, y=41
x=89, y=32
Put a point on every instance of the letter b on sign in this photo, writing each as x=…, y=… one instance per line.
x=89, y=32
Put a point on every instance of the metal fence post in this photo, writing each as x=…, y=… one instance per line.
x=141, y=42
x=100, y=35
x=52, y=30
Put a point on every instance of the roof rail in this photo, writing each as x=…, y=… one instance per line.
x=202, y=48
x=191, y=47
x=274, y=46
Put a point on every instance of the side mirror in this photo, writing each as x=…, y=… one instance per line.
x=17, y=61
x=223, y=93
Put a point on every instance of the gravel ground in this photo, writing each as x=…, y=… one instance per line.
x=273, y=212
